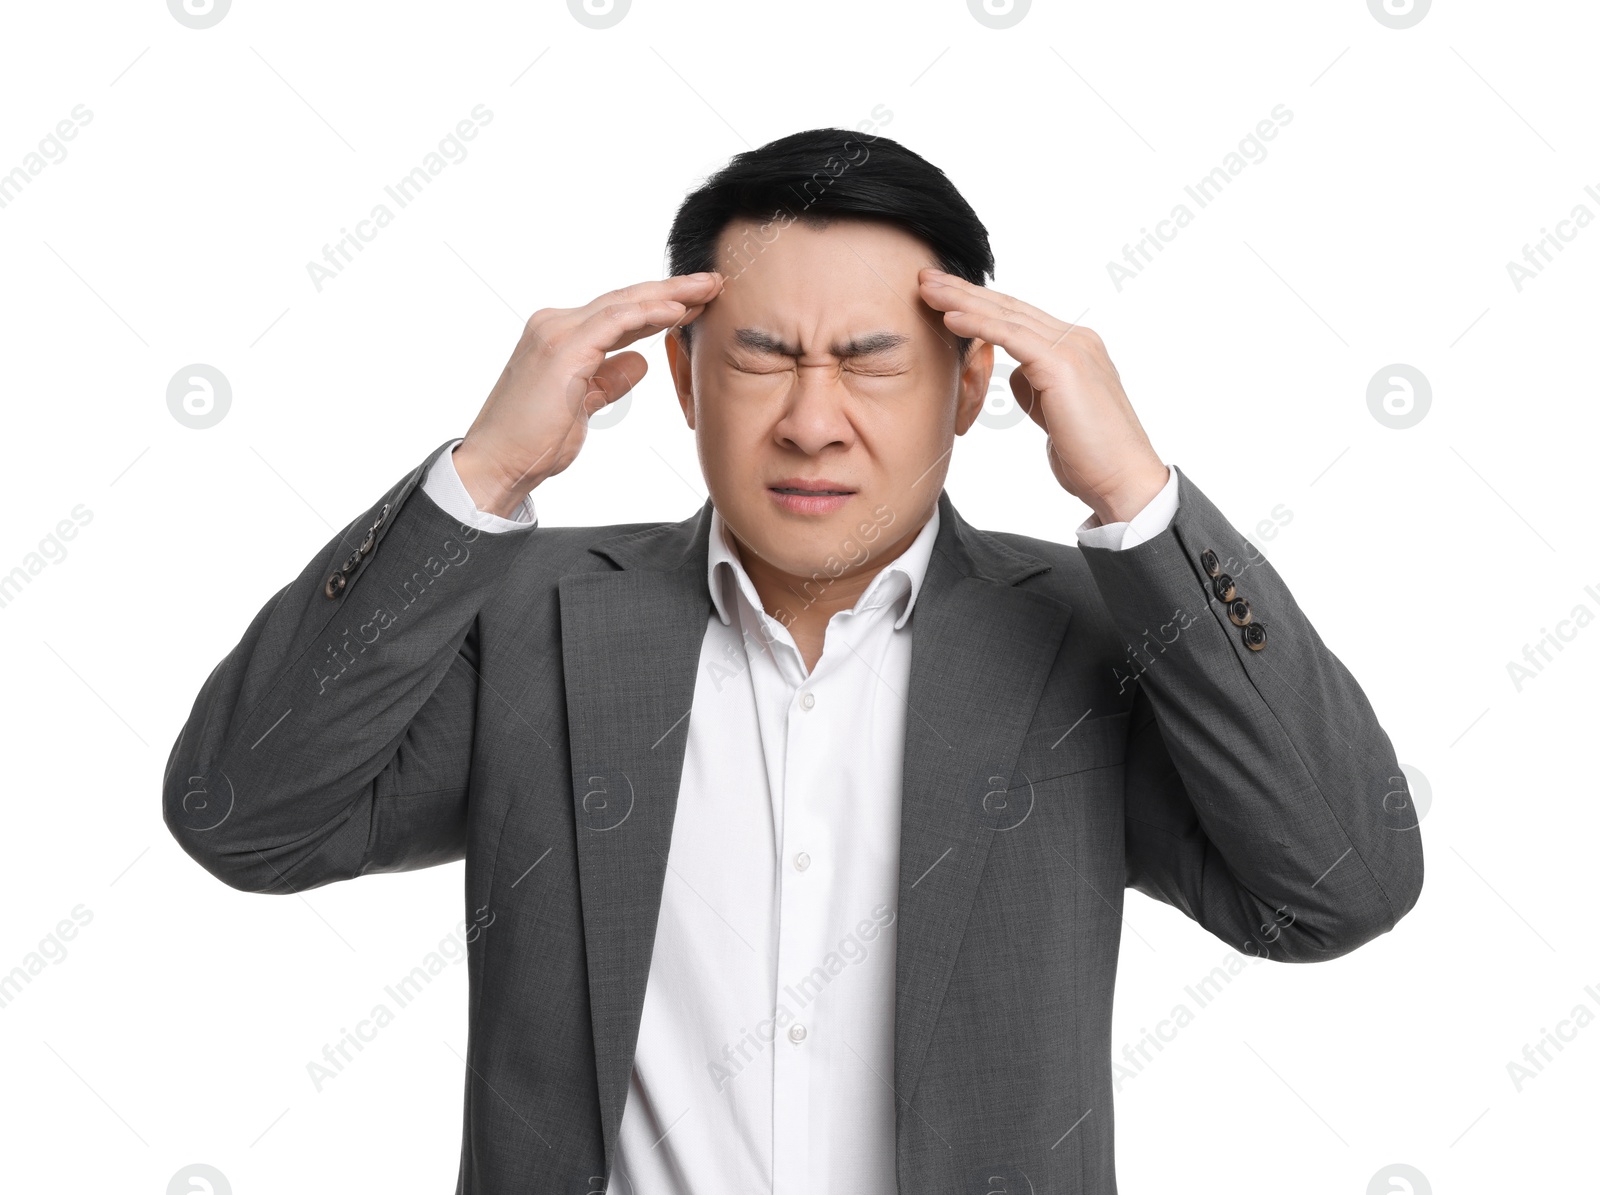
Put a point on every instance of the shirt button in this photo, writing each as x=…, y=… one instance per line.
x=802, y=861
x=797, y=1033
x=807, y=700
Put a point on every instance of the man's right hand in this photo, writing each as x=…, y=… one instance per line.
x=536, y=417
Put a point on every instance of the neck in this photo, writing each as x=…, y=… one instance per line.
x=805, y=603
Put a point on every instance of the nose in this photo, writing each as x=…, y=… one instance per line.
x=815, y=413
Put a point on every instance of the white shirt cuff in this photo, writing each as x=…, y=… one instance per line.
x=443, y=484
x=1147, y=524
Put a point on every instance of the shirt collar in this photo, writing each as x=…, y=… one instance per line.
x=901, y=577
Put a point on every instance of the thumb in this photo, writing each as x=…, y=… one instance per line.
x=1027, y=397
x=618, y=374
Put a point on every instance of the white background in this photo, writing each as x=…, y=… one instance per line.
x=219, y=162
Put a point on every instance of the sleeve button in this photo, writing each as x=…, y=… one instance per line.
x=334, y=586
x=1222, y=586
x=1255, y=636
x=1209, y=562
x=1239, y=612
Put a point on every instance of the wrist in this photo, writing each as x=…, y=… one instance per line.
x=1132, y=494
x=491, y=488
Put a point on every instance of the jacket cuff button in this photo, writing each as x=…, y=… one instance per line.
x=1222, y=586
x=1255, y=636
x=335, y=586
x=1209, y=562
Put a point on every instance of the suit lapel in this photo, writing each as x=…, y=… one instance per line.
x=980, y=653
x=630, y=645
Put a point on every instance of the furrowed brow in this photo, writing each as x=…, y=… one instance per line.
x=858, y=346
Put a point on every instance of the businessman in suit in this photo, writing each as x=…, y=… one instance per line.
x=799, y=829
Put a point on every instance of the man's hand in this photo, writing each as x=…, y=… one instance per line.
x=536, y=417
x=1067, y=384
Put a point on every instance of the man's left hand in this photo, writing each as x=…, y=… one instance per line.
x=1098, y=450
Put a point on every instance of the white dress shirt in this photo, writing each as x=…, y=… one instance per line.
x=766, y=1041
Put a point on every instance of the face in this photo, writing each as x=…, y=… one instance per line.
x=818, y=365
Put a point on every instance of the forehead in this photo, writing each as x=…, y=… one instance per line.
x=847, y=270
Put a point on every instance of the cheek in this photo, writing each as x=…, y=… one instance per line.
x=728, y=427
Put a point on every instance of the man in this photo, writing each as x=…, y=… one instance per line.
x=798, y=829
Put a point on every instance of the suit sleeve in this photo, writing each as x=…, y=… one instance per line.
x=335, y=739
x=1262, y=798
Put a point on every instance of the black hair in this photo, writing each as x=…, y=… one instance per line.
x=816, y=176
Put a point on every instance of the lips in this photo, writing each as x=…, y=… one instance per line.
x=810, y=496
x=796, y=485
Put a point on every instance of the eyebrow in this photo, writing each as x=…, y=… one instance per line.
x=856, y=346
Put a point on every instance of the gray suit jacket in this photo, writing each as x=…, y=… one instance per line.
x=1079, y=722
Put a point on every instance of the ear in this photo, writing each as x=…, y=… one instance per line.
x=682, y=376
x=973, y=384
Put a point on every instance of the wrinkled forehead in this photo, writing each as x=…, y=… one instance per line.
x=848, y=278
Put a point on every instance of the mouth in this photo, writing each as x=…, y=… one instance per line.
x=802, y=496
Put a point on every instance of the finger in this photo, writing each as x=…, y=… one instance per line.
x=953, y=291
x=692, y=314
x=686, y=288
x=1024, y=342
x=620, y=324
x=944, y=298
